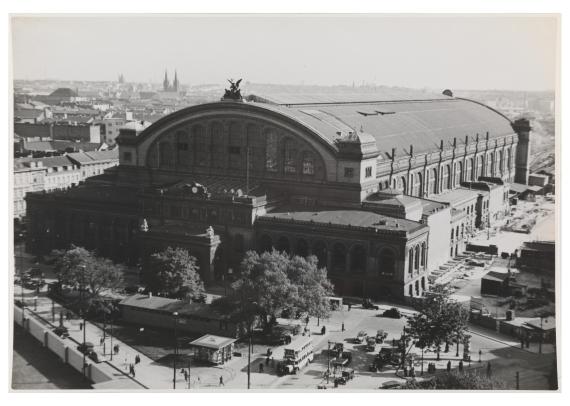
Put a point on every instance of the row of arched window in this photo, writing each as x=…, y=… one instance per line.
x=267, y=150
x=342, y=259
x=450, y=178
x=417, y=257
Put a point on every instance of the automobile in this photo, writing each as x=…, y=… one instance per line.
x=381, y=336
x=392, y=313
x=348, y=374
x=336, y=349
x=94, y=357
x=85, y=348
x=343, y=359
x=472, y=262
x=388, y=355
x=61, y=331
x=360, y=337
x=370, y=343
x=367, y=304
x=286, y=367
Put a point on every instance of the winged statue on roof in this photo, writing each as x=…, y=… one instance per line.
x=234, y=92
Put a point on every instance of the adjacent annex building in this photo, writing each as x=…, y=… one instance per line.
x=380, y=188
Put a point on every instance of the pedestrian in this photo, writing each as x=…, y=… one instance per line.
x=261, y=367
x=268, y=352
x=342, y=327
x=222, y=381
x=133, y=371
x=80, y=326
x=137, y=359
x=489, y=369
x=101, y=341
x=186, y=375
x=349, y=306
x=307, y=320
x=323, y=330
x=448, y=366
x=461, y=366
x=116, y=349
x=126, y=363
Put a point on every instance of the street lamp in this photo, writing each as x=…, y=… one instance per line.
x=175, y=316
x=254, y=304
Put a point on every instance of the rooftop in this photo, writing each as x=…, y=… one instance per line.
x=212, y=341
x=355, y=218
x=456, y=196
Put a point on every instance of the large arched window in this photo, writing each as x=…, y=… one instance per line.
x=459, y=175
x=509, y=168
x=386, y=262
x=202, y=153
x=469, y=176
x=321, y=252
x=479, y=167
x=501, y=162
x=447, y=177
x=183, y=151
x=290, y=156
x=283, y=245
x=271, y=150
x=358, y=259
x=218, y=144
x=308, y=163
x=166, y=154
x=235, y=147
x=417, y=257
x=418, y=185
x=402, y=184
x=302, y=248
x=424, y=254
x=433, y=181
x=411, y=261
x=338, y=258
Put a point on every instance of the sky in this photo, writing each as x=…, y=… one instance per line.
x=506, y=52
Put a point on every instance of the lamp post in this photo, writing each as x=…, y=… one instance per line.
x=82, y=314
x=175, y=316
x=254, y=305
x=328, y=360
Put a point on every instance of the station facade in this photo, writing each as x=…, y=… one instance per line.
x=380, y=189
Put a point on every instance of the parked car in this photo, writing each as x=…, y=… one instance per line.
x=392, y=313
x=388, y=356
x=390, y=385
x=370, y=343
x=336, y=349
x=367, y=304
x=360, y=337
x=61, y=331
x=344, y=360
x=86, y=348
x=381, y=336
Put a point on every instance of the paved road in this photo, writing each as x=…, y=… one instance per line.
x=34, y=367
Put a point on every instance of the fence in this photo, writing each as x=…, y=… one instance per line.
x=63, y=348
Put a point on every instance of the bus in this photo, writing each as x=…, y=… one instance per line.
x=298, y=354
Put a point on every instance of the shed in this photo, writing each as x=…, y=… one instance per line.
x=213, y=349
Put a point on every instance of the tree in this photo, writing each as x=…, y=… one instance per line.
x=456, y=380
x=274, y=281
x=82, y=269
x=174, y=273
x=439, y=320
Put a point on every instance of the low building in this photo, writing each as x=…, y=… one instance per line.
x=536, y=179
x=95, y=162
x=28, y=177
x=153, y=311
x=539, y=256
x=213, y=349
x=83, y=132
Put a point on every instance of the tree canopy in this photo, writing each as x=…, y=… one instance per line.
x=174, y=273
x=274, y=281
x=439, y=320
x=81, y=268
x=456, y=380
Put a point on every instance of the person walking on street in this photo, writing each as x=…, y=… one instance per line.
x=222, y=381
x=448, y=366
x=323, y=330
x=137, y=359
x=460, y=366
x=80, y=326
x=342, y=327
x=185, y=375
x=261, y=367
